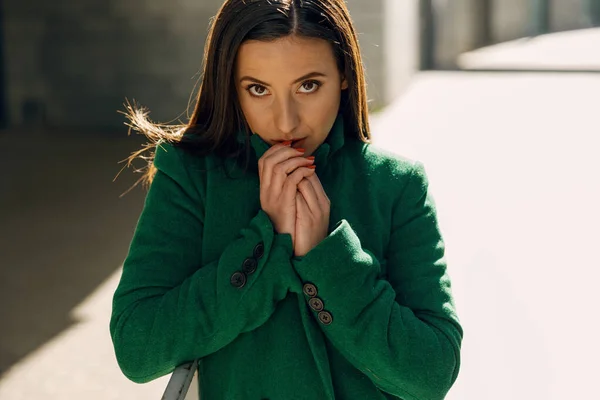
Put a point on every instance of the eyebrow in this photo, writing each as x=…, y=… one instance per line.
x=302, y=78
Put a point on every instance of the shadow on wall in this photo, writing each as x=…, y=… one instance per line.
x=64, y=229
x=3, y=94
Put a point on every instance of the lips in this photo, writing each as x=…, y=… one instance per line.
x=296, y=143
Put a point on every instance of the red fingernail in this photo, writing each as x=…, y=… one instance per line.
x=312, y=167
x=301, y=150
x=287, y=143
x=311, y=158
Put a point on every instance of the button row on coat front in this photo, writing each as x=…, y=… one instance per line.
x=325, y=318
x=316, y=304
x=238, y=279
x=310, y=290
x=259, y=250
x=249, y=266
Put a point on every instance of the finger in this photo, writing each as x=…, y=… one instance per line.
x=283, y=169
x=270, y=160
x=301, y=205
x=270, y=151
x=319, y=190
x=307, y=190
x=290, y=187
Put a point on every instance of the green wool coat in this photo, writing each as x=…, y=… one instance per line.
x=367, y=314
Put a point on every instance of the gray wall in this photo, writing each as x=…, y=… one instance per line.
x=368, y=18
x=510, y=19
x=80, y=60
x=401, y=46
x=569, y=14
x=76, y=61
x=513, y=18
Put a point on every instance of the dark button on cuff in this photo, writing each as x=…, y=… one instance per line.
x=259, y=250
x=238, y=280
x=325, y=318
x=249, y=266
x=316, y=304
x=310, y=290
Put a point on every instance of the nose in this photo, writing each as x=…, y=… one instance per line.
x=287, y=117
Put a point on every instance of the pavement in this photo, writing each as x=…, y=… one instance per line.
x=65, y=232
x=513, y=165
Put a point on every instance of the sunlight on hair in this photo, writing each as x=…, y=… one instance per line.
x=156, y=133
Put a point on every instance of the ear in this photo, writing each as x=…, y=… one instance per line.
x=344, y=83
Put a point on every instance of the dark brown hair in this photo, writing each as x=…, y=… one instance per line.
x=218, y=117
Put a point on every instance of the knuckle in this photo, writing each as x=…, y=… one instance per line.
x=301, y=171
x=294, y=175
x=302, y=175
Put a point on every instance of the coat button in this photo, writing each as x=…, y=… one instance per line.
x=325, y=318
x=316, y=304
x=249, y=266
x=310, y=290
x=259, y=250
x=238, y=280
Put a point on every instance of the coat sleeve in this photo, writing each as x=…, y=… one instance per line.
x=402, y=332
x=167, y=308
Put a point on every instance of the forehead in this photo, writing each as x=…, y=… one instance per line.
x=289, y=54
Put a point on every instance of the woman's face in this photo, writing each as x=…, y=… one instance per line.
x=289, y=89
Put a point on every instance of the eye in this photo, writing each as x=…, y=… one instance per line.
x=310, y=87
x=257, y=90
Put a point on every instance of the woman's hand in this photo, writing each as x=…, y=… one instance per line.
x=278, y=189
x=312, y=220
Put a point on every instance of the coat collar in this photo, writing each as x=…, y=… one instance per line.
x=333, y=142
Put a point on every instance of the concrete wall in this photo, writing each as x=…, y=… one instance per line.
x=401, y=46
x=569, y=14
x=511, y=19
x=457, y=22
x=455, y=29
x=78, y=61
x=389, y=40
x=74, y=63
x=368, y=17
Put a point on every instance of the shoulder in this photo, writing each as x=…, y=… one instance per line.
x=167, y=156
x=388, y=166
x=180, y=165
x=173, y=158
x=397, y=181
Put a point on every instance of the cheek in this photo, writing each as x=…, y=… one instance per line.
x=329, y=100
x=321, y=114
x=252, y=114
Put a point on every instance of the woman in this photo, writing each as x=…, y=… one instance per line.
x=276, y=245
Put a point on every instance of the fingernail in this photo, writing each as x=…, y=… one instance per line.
x=301, y=150
x=311, y=158
x=312, y=167
x=287, y=143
